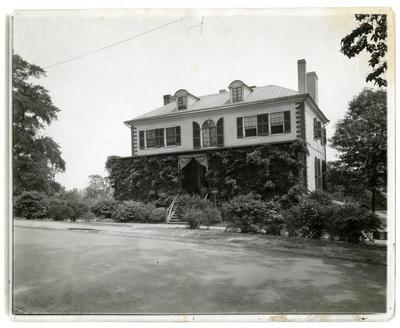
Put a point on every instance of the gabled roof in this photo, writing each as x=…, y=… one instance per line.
x=222, y=99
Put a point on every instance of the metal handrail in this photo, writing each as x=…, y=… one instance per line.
x=170, y=210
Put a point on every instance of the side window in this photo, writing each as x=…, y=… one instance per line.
x=239, y=127
x=141, y=139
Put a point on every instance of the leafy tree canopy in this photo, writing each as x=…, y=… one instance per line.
x=99, y=189
x=369, y=35
x=361, y=139
x=36, y=158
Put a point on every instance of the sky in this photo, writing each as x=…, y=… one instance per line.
x=97, y=93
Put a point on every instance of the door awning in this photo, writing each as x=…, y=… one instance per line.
x=184, y=160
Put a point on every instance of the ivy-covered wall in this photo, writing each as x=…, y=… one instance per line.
x=268, y=170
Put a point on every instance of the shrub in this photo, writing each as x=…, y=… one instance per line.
x=293, y=197
x=272, y=221
x=349, y=222
x=104, y=208
x=305, y=219
x=131, y=211
x=194, y=218
x=157, y=215
x=187, y=202
x=320, y=197
x=80, y=209
x=60, y=212
x=31, y=205
x=88, y=216
x=246, y=212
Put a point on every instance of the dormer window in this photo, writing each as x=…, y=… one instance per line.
x=182, y=102
x=237, y=94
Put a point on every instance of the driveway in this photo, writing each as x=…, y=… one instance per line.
x=76, y=272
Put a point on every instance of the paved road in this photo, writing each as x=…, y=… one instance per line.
x=73, y=272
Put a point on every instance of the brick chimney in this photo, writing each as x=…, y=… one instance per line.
x=301, y=75
x=168, y=99
x=312, y=86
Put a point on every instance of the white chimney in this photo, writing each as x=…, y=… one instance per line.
x=312, y=86
x=301, y=75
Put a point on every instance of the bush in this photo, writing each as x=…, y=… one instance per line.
x=293, y=197
x=131, y=211
x=349, y=222
x=246, y=212
x=272, y=221
x=157, y=215
x=320, y=197
x=194, y=218
x=104, y=208
x=60, y=212
x=80, y=209
x=88, y=216
x=31, y=205
x=186, y=203
x=305, y=220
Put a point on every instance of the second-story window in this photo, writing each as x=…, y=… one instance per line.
x=237, y=94
x=173, y=136
x=155, y=138
x=250, y=126
x=182, y=102
x=277, y=122
x=209, y=134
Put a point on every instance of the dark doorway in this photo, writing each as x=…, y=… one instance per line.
x=194, y=177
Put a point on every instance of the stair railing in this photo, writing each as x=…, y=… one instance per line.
x=170, y=210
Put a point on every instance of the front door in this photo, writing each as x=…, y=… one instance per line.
x=194, y=177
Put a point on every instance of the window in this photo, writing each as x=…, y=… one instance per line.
x=151, y=138
x=250, y=126
x=239, y=127
x=159, y=137
x=209, y=134
x=182, y=102
x=196, y=135
x=317, y=129
x=220, y=132
x=173, y=136
x=317, y=173
x=237, y=94
x=277, y=121
x=262, y=125
x=141, y=139
x=287, y=121
x=155, y=138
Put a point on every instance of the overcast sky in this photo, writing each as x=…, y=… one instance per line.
x=97, y=93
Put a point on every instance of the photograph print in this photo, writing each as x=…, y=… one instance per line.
x=201, y=162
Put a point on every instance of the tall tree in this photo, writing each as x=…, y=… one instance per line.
x=36, y=158
x=99, y=189
x=369, y=35
x=361, y=139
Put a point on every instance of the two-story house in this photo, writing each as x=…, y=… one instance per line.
x=190, y=126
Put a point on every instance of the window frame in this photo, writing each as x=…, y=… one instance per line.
x=236, y=94
x=177, y=140
x=255, y=126
x=212, y=129
x=183, y=105
x=282, y=113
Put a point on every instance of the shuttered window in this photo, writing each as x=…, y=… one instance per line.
x=196, y=135
x=220, y=132
x=287, y=121
x=173, y=136
x=277, y=122
x=209, y=134
x=262, y=125
x=250, y=126
x=141, y=139
x=239, y=127
x=155, y=138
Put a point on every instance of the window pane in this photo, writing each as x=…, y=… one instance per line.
x=151, y=138
x=250, y=126
x=182, y=102
x=277, y=120
x=171, y=136
x=237, y=94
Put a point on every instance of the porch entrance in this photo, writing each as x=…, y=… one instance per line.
x=194, y=169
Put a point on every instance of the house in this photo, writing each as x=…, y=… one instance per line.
x=191, y=126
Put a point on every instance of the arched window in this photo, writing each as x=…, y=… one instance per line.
x=209, y=134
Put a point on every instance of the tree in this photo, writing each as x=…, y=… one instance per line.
x=99, y=189
x=369, y=35
x=36, y=158
x=361, y=139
